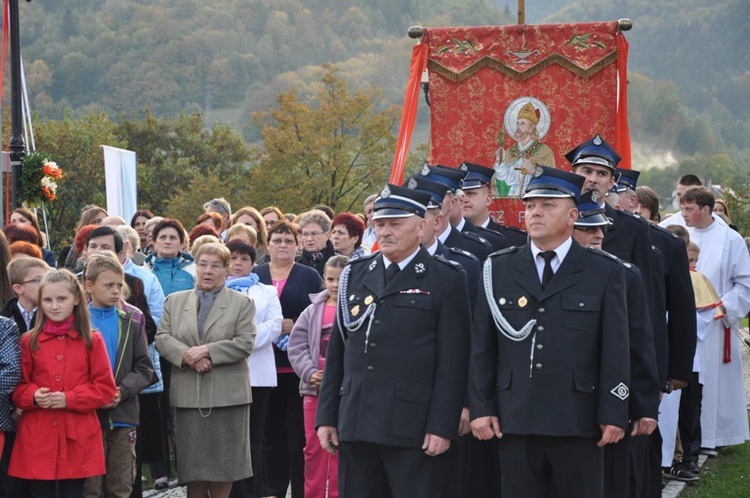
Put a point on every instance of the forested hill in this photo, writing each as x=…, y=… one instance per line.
x=689, y=59
x=170, y=55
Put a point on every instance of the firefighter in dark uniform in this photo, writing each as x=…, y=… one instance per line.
x=475, y=203
x=626, y=462
x=396, y=368
x=451, y=236
x=550, y=367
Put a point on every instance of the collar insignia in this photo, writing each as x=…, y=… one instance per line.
x=373, y=264
x=419, y=268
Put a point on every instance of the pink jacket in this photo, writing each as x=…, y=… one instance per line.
x=304, y=342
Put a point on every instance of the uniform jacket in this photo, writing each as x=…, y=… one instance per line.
x=495, y=238
x=515, y=236
x=62, y=444
x=229, y=333
x=133, y=371
x=469, y=241
x=629, y=238
x=578, y=375
x=407, y=377
x=644, y=379
x=470, y=265
x=680, y=303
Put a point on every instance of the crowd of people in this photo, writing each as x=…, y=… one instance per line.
x=416, y=349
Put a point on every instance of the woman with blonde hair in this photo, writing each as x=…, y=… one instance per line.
x=252, y=217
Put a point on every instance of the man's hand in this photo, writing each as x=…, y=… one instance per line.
x=329, y=438
x=315, y=379
x=464, y=426
x=675, y=385
x=643, y=427
x=485, y=428
x=435, y=445
x=610, y=434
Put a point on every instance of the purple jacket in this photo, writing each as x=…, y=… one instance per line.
x=304, y=342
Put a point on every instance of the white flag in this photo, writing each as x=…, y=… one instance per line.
x=122, y=188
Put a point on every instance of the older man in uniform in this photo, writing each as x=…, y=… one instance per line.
x=475, y=203
x=626, y=463
x=396, y=367
x=549, y=367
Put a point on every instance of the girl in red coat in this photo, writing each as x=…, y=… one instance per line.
x=65, y=377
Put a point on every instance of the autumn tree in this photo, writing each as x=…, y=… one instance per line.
x=334, y=149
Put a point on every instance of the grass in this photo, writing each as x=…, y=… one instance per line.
x=725, y=476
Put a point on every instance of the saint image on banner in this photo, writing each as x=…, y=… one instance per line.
x=527, y=121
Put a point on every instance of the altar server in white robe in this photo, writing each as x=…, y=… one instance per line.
x=725, y=261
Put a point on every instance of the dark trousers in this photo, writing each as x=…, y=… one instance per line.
x=284, y=440
x=10, y=487
x=617, y=469
x=654, y=464
x=368, y=470
x=640, y=469
x=63, y=488
x=473, y=469
x=543, y=466
x=689, y=423
x=252, y=487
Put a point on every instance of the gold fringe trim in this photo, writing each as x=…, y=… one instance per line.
x=548, y=61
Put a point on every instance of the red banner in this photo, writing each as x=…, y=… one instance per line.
x=516, y=96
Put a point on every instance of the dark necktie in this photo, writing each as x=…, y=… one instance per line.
x=547, y=274
x=391, y=272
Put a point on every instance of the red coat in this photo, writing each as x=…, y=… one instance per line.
x=62, y=444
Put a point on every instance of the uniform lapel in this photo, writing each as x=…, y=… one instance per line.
x=526, y=275
x=374, y=277
x=610, y=213
x=565, y=276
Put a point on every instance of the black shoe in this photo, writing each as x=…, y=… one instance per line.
x=692, y=467
x=680, y=472
x=161, y=486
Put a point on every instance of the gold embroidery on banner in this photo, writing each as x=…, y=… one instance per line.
x=490, y=63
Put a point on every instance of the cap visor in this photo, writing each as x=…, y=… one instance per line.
x=547, y=192
x=391, y=213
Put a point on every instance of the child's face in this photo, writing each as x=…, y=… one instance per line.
x=332, y=280
x=692, y=258
x=58, y=302
x=29, y=288
x=105, y=291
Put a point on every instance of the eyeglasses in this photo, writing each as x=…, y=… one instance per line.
x=306, y=235
x=218, y=205
x=340, y=233
x=279, y=242
x=592, y=229
x=37, y=280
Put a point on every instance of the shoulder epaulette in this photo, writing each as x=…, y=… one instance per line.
x=633, y=215
x=605, y=254
x=664, y=230
x=443, y=259
x=366, y=257
x=507, y=250
x=462, y=252
x=475, y=237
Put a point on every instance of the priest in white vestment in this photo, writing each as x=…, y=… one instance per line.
x=725, y=261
